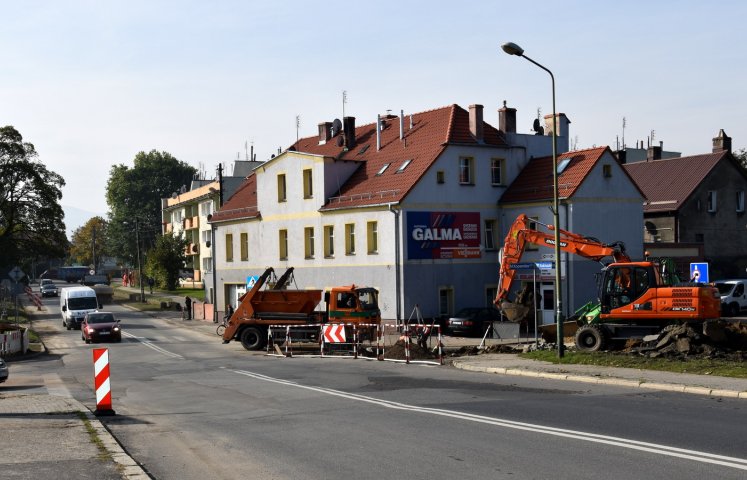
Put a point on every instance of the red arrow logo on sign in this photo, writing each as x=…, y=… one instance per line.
x=334, y=333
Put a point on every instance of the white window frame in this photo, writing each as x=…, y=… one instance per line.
x=490, y=240
x=466, y=170
x=497, y=165
x=740, y=201
x=712, y=201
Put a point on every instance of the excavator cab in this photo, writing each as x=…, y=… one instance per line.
x=624, y=284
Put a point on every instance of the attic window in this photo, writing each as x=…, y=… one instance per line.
x=404, y=165
x=606, y=171
x=383, y=169
x=363, y=150
x=563, y=164
x=440, y=176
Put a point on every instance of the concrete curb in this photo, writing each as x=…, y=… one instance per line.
x=620, y=382
x=129, y=467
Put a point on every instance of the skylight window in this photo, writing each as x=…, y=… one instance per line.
x=563, y=164
x=404, y=165
x=383, y=169
x=363, y=150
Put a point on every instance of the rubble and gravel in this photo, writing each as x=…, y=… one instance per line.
x=716, y=339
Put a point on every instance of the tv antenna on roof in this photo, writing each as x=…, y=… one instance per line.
x=344, y=101
x=298, y=125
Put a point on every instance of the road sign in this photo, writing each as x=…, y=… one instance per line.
x=334, y=333
x=16, y=274
x=699, y=272
x=250, y=281
x=532, y=266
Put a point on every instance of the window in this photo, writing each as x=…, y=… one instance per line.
x=206, y=208
x=403, y=166
x=440, y=176
x=329, y=241
x=206, y=236
x=308, y=242
x=382, y=169
x=445, y=301
x=283, y=244
x=281, y=188
x=207, y=264
x=740, y=201
x=372, y=234
x=490, y=294
x=350, y=239
x=308, y=186
x=465, y=171
x=496, y=171
x=229, y=247
x=489, y=234
x=606, y=171
x=244, y=246
x=177, y=216
x=712, y=201
x=563, y=164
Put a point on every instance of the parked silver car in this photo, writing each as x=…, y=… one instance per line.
x=3, y=370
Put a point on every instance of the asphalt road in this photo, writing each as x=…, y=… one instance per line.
x=189, y=407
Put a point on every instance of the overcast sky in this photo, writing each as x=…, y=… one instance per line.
x=92, y=83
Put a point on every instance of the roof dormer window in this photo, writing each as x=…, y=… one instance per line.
x=403, y=166
x=382, y=169
x=563, y=164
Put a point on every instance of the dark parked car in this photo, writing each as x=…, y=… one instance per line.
x=49, y=290
x=100, y=326
x=3, y=370
x=473, y=321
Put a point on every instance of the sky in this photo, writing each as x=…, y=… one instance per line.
x=93, y=83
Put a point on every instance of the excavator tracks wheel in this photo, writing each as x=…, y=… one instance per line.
x=590, y=338
x=252, y=338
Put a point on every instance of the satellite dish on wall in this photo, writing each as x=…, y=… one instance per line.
x=183, y=189
x=336, y=126
x=537, y=127
x=174, y=195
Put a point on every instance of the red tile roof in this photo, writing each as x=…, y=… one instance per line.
x=242, y=204
x=667, y=183
x=534, y=182
x=432, y=130
x=423, y=143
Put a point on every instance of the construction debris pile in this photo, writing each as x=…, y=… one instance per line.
x=717, y=339
x=417, y=352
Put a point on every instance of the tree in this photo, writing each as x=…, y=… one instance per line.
x=89, y=239
x=136, y=193
x=31, y=218
x=741, y=157
x=166, y=259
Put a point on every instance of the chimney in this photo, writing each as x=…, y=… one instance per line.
x=653, y=153
x=507, y=119
x=325, y=132
x=401, y=124
x=722, y=142
x=348, y=126
x=378, y=132
x=622, y=156
x=476, y=126
x=563, y=134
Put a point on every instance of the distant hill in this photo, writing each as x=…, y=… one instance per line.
x=76, y=218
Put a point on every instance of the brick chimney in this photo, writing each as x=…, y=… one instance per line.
x=507, y=119
x=325, y=132
x=476, y=125
x=722, y=142
x=653, y=152
x=348, y=127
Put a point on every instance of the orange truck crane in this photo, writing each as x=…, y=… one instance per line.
x=278, y=306
x=635, y=298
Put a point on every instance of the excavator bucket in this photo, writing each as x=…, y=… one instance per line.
x=515, y=312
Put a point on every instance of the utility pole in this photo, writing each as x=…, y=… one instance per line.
x=139, y=262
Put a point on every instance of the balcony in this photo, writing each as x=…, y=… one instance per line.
x=192, y=249
x=191, y=222
x=168, y=227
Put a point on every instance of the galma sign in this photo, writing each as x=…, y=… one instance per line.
x=443, y=235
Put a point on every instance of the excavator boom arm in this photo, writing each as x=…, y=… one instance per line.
x=520, y=234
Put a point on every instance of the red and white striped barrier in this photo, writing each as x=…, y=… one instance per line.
x=34, y=298
x=101, y=382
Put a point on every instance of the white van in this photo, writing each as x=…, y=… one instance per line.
x=733, y=295
x=75, y=302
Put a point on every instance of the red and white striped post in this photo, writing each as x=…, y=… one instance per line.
x=101, y=382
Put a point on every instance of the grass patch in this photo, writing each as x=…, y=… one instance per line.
x=122, y=297
x=193, y=293
x=95, y=439
x=700, y=366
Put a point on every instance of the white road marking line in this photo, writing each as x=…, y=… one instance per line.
x=154, y=347
x=704, y=457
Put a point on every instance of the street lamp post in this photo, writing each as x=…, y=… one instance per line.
x=513, y=49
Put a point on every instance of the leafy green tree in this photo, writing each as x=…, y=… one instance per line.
x=87, y=238
x=136, y=193
x=165, y=260
x=31, y=218
x=741, y=157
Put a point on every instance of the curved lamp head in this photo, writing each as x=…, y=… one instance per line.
x=512, y=49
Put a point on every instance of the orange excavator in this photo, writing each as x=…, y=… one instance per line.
x=635, y=298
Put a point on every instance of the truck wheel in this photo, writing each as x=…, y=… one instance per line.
x=252, y=338
x=590, y=338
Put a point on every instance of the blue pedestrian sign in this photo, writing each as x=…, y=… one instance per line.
x=250, y=281
x=699, y=272
x=532, y=266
